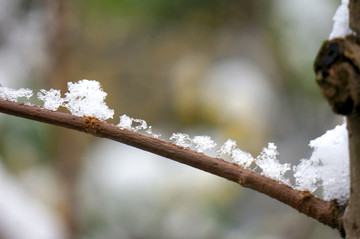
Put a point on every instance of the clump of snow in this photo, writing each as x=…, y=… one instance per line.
x=227, y=147
x=87, y=98
x=126, y=122
x=52, y=99
x=141, y=124
x=328, y=166
x=242, y=158
x=13, y=95
x=341, y=26
x=203, y=143
x=270, y=165
x=237, y=155
x=306, y=174
x=199, y=143
x=182, y=140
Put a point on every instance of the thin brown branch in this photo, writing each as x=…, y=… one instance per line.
x=328, y=213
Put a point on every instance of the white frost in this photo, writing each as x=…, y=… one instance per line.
x=126, y=122
x=341, y=26
x=227, y=147
x=52, y=99
x=270, y=165
x=182, y=140
x=242, y=158
x=13, y=95
x=87, y=98
x=328, y=166
x=203, y=143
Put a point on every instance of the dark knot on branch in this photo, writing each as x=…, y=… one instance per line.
x=337, y=68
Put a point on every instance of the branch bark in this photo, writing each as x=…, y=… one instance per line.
x=329, y=213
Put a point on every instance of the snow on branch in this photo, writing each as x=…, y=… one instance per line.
x=328, y=213
x=323, y=170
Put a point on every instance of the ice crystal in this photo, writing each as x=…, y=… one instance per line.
x=328, y=166
x=227, y=147
x=242, y=158
x=182, y=140
x=87, y=98
x=203, y=143
x=13, y=95
x=52, y=99
x=270, y=165
x=126, y=122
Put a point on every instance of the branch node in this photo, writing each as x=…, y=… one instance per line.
x=305, y=195
x=337, y=68
x=91, y=124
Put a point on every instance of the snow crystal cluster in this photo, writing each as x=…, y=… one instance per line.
x=326, y=170
x=270, y=165
x=341, y=26
x=13, y=95
x=87, y=98
x=267, y=160
x=84, y=97
x=198, y=143
x=328, y=166
x=127, y=122
x=52, y=99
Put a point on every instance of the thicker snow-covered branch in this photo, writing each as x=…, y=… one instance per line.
x=329, y=213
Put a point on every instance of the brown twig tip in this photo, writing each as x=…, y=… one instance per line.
x=337, y=68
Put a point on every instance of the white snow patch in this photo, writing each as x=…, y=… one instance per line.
x=203, y=143
x=227, y=147
x=126, y=122
x=341, y=27
x=270, y=165
x=328, y=166
x=182, y=140
x=13, y=95
x=242, y=158
x=52, y=99
x=87, y=98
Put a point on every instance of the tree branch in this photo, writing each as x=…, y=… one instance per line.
x=337, y=69
x=329, y=213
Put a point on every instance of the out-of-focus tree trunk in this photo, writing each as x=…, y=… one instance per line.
x=352, y=213
x=67, y=144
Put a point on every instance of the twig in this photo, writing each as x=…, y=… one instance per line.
x=329, y=213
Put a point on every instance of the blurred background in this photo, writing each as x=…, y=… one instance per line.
x=229, y=69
